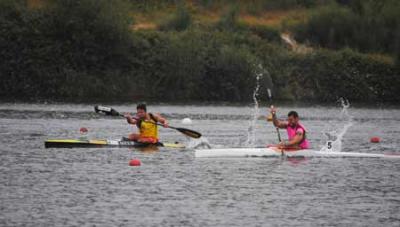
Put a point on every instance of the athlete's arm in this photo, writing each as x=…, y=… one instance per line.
x=129, y=119
x=296, y=140
x=160, y=119
x=277, y=123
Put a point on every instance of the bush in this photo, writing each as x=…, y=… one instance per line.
x=45, y=49
x=367, y=26
x=84, y=50
x=267, y=33
x=288, y=4
x=326, y=76
x=180, y=21
x=229, y=20
x=149, y=5
x=331, y=27
x=197, y=65
x=257, y=6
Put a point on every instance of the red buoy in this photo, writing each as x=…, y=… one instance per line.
x=375, y=139
x=83, y=130
x=134, y=162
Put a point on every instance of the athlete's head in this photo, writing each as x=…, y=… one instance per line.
x=141, y=110
x=293, y=118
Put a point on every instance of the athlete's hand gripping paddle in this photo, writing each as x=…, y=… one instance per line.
x=273, y=115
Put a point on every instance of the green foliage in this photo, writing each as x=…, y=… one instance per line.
x=266, y=32
x=289, y=4
x=368, y=26
x=149, y=5
x=85, y=50
x=327, y=75
x=256, y=6
x=229, y=75
x=195, y=65
x=48, y=49
x=331, y=26
x=180, y=21
x=229, y=20
x=205, y=3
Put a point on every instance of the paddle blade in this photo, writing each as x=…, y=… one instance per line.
x=189, y=132
x=106, y=110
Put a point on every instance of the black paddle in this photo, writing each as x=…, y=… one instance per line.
x=112, y=112
x=277, y=129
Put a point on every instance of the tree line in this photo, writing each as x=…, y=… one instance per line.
x=86, y=50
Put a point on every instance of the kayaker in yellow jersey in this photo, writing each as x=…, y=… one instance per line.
x=146, y=123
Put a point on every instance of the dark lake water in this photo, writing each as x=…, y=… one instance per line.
x=97, y=187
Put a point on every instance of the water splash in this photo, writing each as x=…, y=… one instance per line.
x=251, y=130
x=334, y=138
x=200, y=143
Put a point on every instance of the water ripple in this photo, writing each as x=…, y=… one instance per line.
x=97, y=187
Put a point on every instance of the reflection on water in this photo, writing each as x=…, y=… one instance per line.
x=84, y=187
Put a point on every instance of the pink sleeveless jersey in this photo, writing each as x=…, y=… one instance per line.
x=292, y=133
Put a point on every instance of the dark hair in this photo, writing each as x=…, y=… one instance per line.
x=293, y=113
x=141, y=106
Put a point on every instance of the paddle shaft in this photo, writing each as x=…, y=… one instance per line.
x=185, y=131
x=151, y=122
x=279, y=134
x=274, y=116
x=112, y=112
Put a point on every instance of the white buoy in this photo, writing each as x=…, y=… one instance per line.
x=186, y=121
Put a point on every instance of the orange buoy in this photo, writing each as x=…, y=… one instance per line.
x=375, y=139
x=83, y=130
x=134, y=162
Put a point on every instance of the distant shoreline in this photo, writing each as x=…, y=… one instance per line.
x=262, y=103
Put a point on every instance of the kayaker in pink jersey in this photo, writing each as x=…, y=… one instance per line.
x=297, y=138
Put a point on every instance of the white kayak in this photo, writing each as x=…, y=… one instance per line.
x=268, y=152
